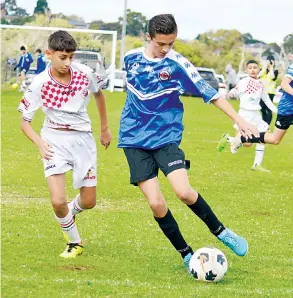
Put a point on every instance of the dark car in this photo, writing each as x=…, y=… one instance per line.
x=209, y=75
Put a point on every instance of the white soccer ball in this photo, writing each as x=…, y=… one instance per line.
x=208, y=264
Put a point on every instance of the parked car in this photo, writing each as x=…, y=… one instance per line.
x=119, y=80
x=91, y=58
x=223, y=87
x=209, y=75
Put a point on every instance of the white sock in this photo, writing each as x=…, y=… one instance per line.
x=74, y=205
x=259, y=153
x=68, y=226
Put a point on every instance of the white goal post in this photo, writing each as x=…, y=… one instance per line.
x=107, y=32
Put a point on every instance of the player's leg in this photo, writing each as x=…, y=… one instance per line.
x=56, y=184
x=180, y=184
x=22, y=80
x=144, y=172
x=165, y=219
x=171, y=161
x=86, y=199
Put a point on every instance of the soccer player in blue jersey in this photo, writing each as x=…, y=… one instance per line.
x=284, y=117
x=151, y=131
x=23, y=64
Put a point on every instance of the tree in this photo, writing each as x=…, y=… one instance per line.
x=288, y=43
x=13, y=10
x=136, y=23
x=41, y=7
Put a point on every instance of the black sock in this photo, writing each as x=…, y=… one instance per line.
x=260, y=139
x=205, y=213
x=171, y=230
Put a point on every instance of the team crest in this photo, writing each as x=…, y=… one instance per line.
x=164, y=75
x=85, y=93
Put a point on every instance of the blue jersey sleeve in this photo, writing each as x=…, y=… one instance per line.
x=193, y=83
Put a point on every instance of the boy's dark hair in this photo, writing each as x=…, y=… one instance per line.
x=62, y=41
x=22, y=48
x=39, y=51
x=162, y=24
x=251, y=62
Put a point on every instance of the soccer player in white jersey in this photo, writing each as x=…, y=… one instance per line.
x=66, y=141
x=151, y=131
x=284, y=117
x=250, y=91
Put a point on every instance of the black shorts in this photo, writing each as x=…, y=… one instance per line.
x=284, y=122
x=145, y=164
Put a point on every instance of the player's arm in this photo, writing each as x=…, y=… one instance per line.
x=285, y=85
x=29, y=104
x=194, y=83
x=265, y=98
x=45, y=149
x=105, y=137
x=244, y=128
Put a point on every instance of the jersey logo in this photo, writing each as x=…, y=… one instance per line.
x=149, y=68
x=164, y=75
x=134, y=67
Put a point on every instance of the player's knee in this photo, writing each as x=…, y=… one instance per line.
x=184, y=194
x=157, y=205
x=89, y=202
x=59, y=204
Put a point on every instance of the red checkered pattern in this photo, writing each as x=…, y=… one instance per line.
x=254, y=86
x=54, y=94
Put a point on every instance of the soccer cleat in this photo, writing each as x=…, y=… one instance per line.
x=259, y=168
x=186, y=261
x=72, y=250
x=235, y=144
x=236, y=243
x=223, y=142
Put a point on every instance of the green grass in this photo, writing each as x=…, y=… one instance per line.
x=126, y=255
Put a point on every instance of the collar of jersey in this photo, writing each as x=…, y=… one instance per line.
x=152, y=59
x=56, y=81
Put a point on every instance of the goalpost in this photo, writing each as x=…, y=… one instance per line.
x=89, y=40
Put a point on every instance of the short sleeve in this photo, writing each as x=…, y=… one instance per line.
x=96, y=82
x=31, y=101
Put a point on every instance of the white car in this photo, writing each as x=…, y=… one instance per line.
x=223, y=87
x=120, y=80
x=278, y=95
x=91, y=58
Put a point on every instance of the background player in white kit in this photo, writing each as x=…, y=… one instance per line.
x=250, y=91
x=66, y=141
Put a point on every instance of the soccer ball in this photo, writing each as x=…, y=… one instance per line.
x=208, y=264
x=14, y=86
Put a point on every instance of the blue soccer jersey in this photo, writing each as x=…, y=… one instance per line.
x=285, y=107
x=152, y=115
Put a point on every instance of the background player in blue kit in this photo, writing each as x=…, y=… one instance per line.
x=151, y=131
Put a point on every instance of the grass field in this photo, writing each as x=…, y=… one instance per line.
x=126, y=254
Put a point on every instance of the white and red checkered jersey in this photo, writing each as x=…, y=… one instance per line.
x=63, y=105
x=250, y=91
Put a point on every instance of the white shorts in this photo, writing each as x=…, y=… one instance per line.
x=73, y=150
x=254, y=118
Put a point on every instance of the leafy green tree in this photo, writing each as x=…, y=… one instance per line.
x=41, y=7
x=136, y=23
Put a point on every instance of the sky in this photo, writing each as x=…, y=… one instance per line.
x=265, y=20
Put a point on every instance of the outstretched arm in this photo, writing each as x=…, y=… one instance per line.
x=245, y=128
